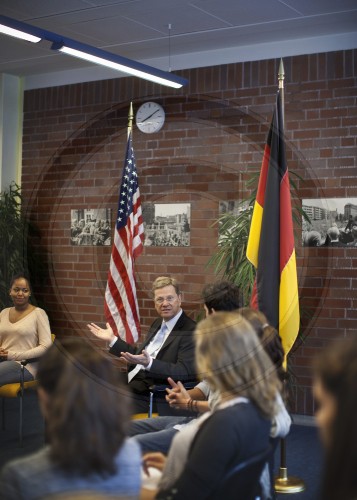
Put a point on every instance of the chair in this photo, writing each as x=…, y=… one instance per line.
x=17, y=389
x=242, y=481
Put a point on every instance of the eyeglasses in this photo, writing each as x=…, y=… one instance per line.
x=161, y=300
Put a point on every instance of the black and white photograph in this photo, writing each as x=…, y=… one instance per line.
x=333, y=222
x=167, y=224
x=91, y=227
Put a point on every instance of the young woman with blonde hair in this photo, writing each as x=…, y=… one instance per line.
x=231, y=359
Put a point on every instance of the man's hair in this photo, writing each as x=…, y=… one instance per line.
x=87, y=417
x=312, y=239
x=333, y=232
x=162, y=281
x=222, y=296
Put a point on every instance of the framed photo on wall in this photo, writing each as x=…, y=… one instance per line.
x=91, y=227
x=333, y=222
x=167, y=224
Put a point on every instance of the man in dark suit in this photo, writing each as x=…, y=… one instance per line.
x=168, y=350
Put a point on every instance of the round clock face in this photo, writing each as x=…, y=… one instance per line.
x=150, y=117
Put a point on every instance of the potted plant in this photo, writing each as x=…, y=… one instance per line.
x=14, y=230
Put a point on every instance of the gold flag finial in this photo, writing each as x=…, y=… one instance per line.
x=130, y=118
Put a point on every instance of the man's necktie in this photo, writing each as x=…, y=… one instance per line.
x=152, y=348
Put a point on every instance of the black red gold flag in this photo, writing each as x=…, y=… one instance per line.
x=271, y=239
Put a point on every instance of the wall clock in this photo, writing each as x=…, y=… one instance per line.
x=150, y=117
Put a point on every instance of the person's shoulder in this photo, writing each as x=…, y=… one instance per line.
x=5, y=311
x=239, y=411
x=40, y=312
x=129, y=454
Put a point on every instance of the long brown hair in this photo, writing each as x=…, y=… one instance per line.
x=268, y=336
x=231, y=358
x=87, y=417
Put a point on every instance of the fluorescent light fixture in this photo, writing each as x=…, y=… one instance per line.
x=125, y=68
x=71, y=47
x=19, y=34
x=20, y=30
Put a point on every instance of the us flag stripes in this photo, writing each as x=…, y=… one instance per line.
x=121, y=305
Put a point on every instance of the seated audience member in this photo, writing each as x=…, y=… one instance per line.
x=230, y=357
x=24, y=333
x=168, y=350
x=87, y=422
x=335, y=390
x=155, y=434
x=281, y=422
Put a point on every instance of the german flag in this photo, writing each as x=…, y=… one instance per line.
x=271, y=239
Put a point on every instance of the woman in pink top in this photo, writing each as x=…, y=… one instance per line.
x=24, y=333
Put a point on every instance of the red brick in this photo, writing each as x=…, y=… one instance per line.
x=73, y=152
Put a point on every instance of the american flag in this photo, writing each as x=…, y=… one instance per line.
x=121, y=305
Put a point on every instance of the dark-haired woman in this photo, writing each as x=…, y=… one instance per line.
x=24, y=333
x=87, y=420
x=335, y=390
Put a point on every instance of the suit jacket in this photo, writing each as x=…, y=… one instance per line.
x=175, y=359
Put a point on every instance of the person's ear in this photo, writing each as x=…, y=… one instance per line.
x=208, y=311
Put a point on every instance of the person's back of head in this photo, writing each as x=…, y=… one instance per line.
x=336, y=374
x=333, y=233
x=231, y=358
x=268, y=336
x=81, y=399
x=221, y=296
x=312, y=239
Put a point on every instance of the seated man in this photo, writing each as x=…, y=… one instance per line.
x=168, y=350
x=156, y=434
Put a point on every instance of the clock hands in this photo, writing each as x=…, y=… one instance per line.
x=152, y=114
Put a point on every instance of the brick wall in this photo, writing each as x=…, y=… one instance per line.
x=73, y=151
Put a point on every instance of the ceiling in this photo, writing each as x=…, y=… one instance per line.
x=203, y=33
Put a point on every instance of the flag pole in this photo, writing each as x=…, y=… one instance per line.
x=283, y=483
x=281, y=78
x=130, y=119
